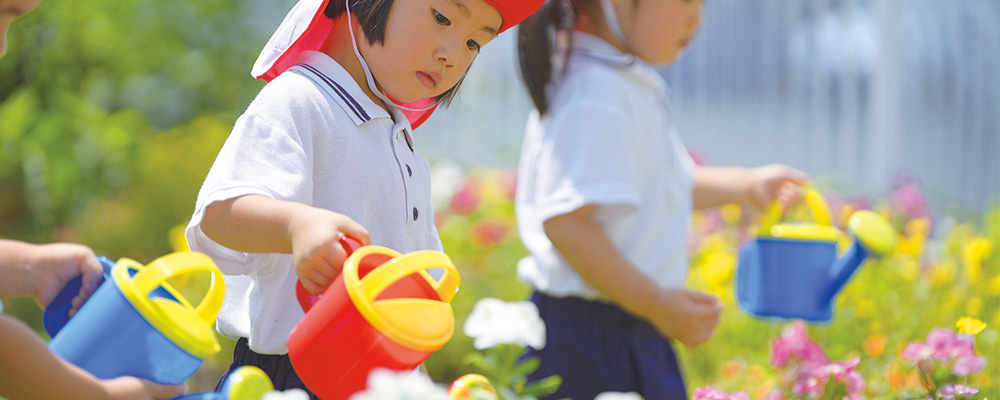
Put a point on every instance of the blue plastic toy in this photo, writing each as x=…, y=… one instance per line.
x=136, y=323
x=793, y=270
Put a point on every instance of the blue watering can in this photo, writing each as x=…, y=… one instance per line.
x=136, y=323
x=793, y=270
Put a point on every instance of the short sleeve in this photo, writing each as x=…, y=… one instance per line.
x=257, y=158
x=586, y=158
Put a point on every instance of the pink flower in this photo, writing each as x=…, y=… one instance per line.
x=965, y=366
x=949, y=391
x=815, y=380
x=795, y=344
x=945, y=346
x=466, y=199
x=711, y=393
x=489, y=232
x=909, y=199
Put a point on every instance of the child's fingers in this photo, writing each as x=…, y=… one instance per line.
x=93, y=274
x=356, y=231
x=159, y=391
x=311, y=286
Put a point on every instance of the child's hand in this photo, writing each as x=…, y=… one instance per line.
x=686, y=316
x=52, y=266
x=129, y=388
x=315, y=236
x=776, y=182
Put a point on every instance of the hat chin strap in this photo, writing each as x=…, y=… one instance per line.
x=611, y=17
x=368, y=72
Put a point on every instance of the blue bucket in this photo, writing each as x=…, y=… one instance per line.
x=136, y=324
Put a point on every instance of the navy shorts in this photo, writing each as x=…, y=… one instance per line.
x=277, y=366
x=598, y=347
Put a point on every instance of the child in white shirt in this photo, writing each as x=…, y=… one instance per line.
x=605, y=194
x=326, y=150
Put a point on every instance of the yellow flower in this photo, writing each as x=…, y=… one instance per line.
x=731, y=214
x=970, y=325
x=176, y=237
x=973, y=253
x=995, y=286
x=915, y=236
x=718, y=267
x=865, y=308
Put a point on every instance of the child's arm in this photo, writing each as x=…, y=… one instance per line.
x=686, y=316
x=260, y=224
x=755, y=187
x=43, y=270
x=34, y=372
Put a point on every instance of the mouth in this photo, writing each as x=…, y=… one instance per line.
x=430, y=80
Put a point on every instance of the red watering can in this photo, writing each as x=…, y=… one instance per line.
x=383, y=310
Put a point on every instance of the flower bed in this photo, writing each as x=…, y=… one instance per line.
x=945, y=267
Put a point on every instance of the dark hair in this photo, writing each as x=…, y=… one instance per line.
x=372, y=15
x=537, y=39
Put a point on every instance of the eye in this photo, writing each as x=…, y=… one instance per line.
x=441, y=19
x=472, y=45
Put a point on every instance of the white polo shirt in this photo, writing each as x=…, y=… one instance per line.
x=607, y=140
x=312, y=136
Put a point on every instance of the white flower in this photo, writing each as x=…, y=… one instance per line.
x=387, y=384
x=494, y=322
x=618, y=396
x=446, y=178
x=290, y=394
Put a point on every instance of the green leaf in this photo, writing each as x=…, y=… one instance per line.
x=542, y=387
x=17, y=113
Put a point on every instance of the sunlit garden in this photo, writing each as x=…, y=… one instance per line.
x=110, y=117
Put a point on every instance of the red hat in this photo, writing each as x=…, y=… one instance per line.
x=306, y=28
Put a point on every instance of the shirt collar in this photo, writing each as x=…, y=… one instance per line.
x=591, y=47
x=335, y=80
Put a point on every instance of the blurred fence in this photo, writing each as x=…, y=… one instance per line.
x=863, y=92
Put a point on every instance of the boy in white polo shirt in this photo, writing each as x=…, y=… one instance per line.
x=605, y=195
x=326, y=150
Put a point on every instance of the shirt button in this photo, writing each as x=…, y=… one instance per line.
x=414, y=213
x=408, y=170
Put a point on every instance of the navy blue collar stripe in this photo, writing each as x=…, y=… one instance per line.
x=358, y=110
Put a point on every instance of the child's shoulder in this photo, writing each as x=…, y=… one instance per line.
x=593, y=84
x=288, y=90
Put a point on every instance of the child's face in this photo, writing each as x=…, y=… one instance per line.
x=429, y=44
x=659, y=30
x=10, y=9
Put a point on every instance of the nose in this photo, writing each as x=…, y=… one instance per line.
x=449, y=53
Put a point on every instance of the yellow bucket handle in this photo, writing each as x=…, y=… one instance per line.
x=403, y=265
x=156, y=273
x=814, y=200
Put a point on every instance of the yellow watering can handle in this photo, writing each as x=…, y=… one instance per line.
x=814, y=200
x=404, y=265
x=157, y=272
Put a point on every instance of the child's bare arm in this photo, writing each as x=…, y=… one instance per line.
x=754, y=187
x=686, y=316
x=43, y=270
x=34, y=372
x=259, y=224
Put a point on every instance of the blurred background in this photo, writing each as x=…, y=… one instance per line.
x=112, y=112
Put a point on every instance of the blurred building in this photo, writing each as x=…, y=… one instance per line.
x=860, y=93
